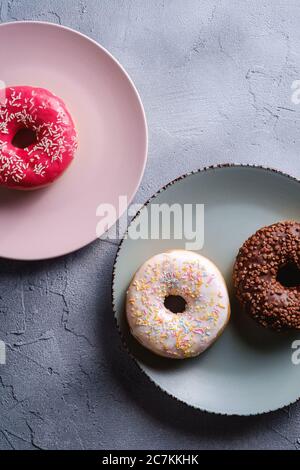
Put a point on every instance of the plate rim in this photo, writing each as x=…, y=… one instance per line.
x=144, y=122
x=124, y=342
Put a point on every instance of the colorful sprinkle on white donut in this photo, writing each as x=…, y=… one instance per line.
x=199, y=282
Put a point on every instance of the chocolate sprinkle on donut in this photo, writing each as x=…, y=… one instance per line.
x=257, y=278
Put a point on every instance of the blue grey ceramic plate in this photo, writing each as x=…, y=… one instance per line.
x=249, y=370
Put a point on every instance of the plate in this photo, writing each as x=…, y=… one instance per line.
x=249, y=370
x=112, y=130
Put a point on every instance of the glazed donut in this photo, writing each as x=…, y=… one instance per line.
x=271, y=251
x=196, y=280
x=43, y=117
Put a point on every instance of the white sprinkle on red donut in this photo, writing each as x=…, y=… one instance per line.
x=54, y=145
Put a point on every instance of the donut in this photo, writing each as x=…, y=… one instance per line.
x=199, y=283
x=37, y=138
x=266, y=276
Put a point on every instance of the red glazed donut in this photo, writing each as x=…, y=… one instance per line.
x=37, y=138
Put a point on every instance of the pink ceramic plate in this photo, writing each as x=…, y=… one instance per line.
x=112, y=132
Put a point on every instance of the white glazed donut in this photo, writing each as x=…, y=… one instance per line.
x=199, y=282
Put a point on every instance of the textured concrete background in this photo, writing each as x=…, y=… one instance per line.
x=215, y=78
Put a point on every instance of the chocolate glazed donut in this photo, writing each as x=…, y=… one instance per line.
x=266, y=276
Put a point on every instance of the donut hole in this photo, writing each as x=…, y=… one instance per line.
x=289, y=275
x=175, y=303
x=24, y=138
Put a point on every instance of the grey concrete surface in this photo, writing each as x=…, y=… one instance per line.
x=215, y=77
